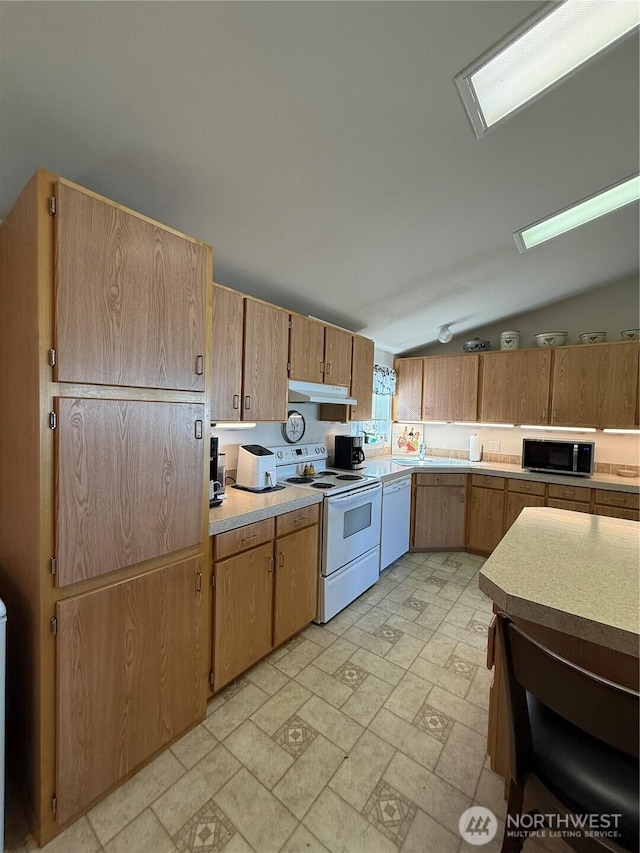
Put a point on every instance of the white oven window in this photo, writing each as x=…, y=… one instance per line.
x=355, y=520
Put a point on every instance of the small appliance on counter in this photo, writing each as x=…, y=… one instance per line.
x=348, y=452
x=216, y=474
x=256, y=469
x=559, y=457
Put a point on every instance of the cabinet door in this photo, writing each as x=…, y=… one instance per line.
x=296, y=585
x=266, y=353
x=439, y=514
x=486, y=519
x=243, y=612
x=617, y=512
x=131, y=676
x=129, y=483
x=362, y=378
x=515, y=387
x=516, y=503
x=226, y=334
x=337, y=356
x=450, y=388
x=408, y=399
x=596, y=385
x=130, y=298
x=306, y=349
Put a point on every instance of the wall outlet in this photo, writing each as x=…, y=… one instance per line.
x=494, y=447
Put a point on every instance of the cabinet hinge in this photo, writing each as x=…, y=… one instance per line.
x=54, y=804
x=52, y=206
x=211, y=678
x=52, y=357
x=54, y=624
x=290, y=324
x=289, y=366
x=53, y=565
x=53, y=420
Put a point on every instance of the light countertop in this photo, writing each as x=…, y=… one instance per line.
x=573, y=572
x=240, y=507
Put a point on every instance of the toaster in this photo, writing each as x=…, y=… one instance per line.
x=256, y=468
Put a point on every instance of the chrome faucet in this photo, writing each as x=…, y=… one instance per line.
x=422, y=451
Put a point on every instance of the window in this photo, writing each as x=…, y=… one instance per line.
x=378, y=429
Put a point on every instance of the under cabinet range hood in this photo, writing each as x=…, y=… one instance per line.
x=313, y=392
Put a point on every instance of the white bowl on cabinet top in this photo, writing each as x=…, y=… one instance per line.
x=551, y=339
x=592, y=337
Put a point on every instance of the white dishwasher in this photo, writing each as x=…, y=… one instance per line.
x=396, y=511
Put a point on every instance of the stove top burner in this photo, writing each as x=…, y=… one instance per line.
x=349, y=477
x=299, y=480
x=324, y=473
x=323, y=485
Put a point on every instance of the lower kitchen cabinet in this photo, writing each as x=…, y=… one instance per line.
x=439, y=503
x=296, y=583
x=617, y=504
x=131, y=677
x=265, y=588
x=522, y=493
x=486, y=513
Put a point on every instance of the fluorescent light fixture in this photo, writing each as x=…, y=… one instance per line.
x=541, y=52
x=234, y=425
x=483, y=425
x=436, y=423
x=602, y=202
x=558, y=429
x=622, y=431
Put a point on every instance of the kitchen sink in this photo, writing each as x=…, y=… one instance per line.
x=433, y=460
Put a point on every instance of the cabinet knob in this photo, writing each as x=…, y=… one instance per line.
x=199, y=365
x=236, y=401
x=269, y=564
x=247, y=402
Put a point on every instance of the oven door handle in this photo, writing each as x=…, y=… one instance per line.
x=356, y=495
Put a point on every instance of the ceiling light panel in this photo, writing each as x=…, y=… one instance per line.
x=607, y=200
x=542, y=52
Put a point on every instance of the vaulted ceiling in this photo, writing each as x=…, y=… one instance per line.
x=322, y=149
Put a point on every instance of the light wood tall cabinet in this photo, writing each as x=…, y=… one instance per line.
x=226, y=354
x=306, y=349
x=103, y=498
x=408, y=397
x=515, y=386
x=362, y=362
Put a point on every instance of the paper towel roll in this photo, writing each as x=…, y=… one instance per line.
x=475, y=448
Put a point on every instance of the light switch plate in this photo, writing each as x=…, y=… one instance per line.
x=494, y=446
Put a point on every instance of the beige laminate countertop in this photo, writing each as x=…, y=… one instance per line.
x=240, y=507
x=573, y=572
x=387, y=470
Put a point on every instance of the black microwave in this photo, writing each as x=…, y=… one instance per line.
x=560, y=457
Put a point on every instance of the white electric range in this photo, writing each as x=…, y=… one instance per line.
x=351, y=514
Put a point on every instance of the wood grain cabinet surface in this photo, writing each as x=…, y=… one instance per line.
x=131, y=677
x=408, y=396
x=362, y=378
x=515, y=387
x=439, y=515
x=337, y=356
x=226, y=354
x=486, y=519
x=296, y=582
x=450, y=388
x=130, y=297
x=306, y=349
x=264, y=367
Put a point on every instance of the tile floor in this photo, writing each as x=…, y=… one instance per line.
x=365, y=735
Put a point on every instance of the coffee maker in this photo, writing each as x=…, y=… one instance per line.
x=348, y=452
x=216, y=474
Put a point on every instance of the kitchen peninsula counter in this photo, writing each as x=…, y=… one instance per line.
x=240, y=507
x=572, y=572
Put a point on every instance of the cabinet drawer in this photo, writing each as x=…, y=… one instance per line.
x=440, y=479
x=575, y=506
x=526, y=487
x=624, y=499
x=288, y=522
x=485, y=481
x=242, y=538
x=571, y=493
x=617, y=512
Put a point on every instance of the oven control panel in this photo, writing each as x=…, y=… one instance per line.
x=292, y=454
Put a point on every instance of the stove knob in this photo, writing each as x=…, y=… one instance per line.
x=279, y=454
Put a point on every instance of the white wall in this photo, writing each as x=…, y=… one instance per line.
x=609, y=309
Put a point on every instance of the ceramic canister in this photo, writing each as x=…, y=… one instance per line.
x=510, y=339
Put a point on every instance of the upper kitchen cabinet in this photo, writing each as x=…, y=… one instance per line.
x=362, y=378
x=596, y=385
x=319, y=353
x=337, y=356
x=408, y=398
x=226, y=347
x=265, y=359
x=129, y=297
x=306, y=349
x=450, y=388
x=515, y=386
